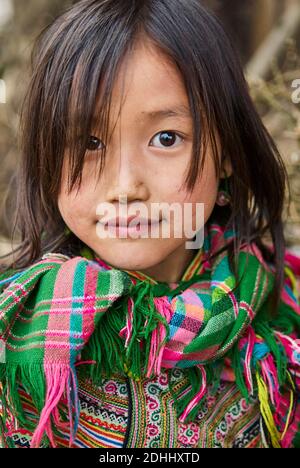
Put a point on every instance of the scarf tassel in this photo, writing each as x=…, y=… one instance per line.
x=159, y=337
x=31, y=377
x=250, y=343
x=268, y=385
x=266, y=411
x=270, y=376
x=126, y=332
x=270, y=398
x=278, y=439
x=146, y=327
x=197, y=398
x=58, y=383
x=291, y=346
x=60, y=380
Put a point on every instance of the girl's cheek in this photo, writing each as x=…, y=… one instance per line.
x=74, y=209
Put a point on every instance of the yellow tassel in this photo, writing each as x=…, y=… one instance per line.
x=267, y=412
x=130, y=374
x=291, y=406
x=292, y=277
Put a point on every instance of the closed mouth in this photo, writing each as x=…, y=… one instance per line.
x=121, y=222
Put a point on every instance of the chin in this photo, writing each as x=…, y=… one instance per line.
x=132, y=256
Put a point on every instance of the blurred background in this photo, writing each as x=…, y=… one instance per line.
x=267, y=34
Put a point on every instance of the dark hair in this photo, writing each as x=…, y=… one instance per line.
x=87, y=44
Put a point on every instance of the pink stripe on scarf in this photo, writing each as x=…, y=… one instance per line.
x=62, y=289
x=90, y=289
x=248, y=308
x=56, y=363
x=170, y=357
x=157, y=345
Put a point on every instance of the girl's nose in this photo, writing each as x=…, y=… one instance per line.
x=127, y=192
x=127, y=180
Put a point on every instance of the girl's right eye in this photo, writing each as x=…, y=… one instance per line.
x=94, y=144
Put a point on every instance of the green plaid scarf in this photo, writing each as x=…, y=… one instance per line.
x=62, y=312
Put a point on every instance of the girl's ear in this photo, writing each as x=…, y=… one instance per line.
x=226, y=169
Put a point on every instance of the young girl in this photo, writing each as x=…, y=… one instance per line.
x=140, y=341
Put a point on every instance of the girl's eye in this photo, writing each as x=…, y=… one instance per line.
x=166, y=138
x=94, y=144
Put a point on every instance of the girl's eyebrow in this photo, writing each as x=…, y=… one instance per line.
x=176, y=111
x=180, y=111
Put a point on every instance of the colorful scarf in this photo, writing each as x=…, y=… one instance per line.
x=64, y=316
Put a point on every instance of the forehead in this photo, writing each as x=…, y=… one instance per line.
x=149, y=85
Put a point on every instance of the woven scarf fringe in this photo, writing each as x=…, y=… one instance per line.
x=138, y=326
x=61, y=384
x=197, y=398
x=266, y=356
x=32, y=379
x=61, y=380
x=145, y=332
x=190, y=401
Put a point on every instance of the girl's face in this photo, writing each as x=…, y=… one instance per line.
x=147, y=159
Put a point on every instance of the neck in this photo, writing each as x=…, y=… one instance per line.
x=172, y=268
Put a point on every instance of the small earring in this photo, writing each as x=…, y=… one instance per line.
x=223, y=197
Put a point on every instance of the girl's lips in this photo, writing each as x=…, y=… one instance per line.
x=125, y=222
x=137, y=228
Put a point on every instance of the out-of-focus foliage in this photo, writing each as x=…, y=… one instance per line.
x=16, y=40
x=282, y=118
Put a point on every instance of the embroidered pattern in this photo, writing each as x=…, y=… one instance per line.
x=142, y=414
